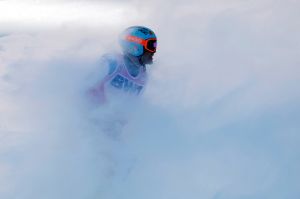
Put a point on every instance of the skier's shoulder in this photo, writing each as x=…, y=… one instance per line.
x=111, y=57
x=111, y=60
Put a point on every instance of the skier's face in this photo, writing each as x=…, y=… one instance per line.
x=147, y=57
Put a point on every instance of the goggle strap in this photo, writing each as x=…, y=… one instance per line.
x=136, y=40
x=139, y=41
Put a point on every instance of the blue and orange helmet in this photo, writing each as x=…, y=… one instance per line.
x=136, y=40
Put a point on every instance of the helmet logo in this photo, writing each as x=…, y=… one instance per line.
x=145, y=31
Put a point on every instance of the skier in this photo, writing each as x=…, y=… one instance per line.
x=126, y=73
x=122, y=77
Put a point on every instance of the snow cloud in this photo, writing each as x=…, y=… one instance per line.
x=219, y=119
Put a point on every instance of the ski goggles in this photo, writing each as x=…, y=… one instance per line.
x=149, y=44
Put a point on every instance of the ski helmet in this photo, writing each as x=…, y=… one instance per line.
x=136, y=40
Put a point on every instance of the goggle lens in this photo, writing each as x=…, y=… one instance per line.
x=151, y=45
